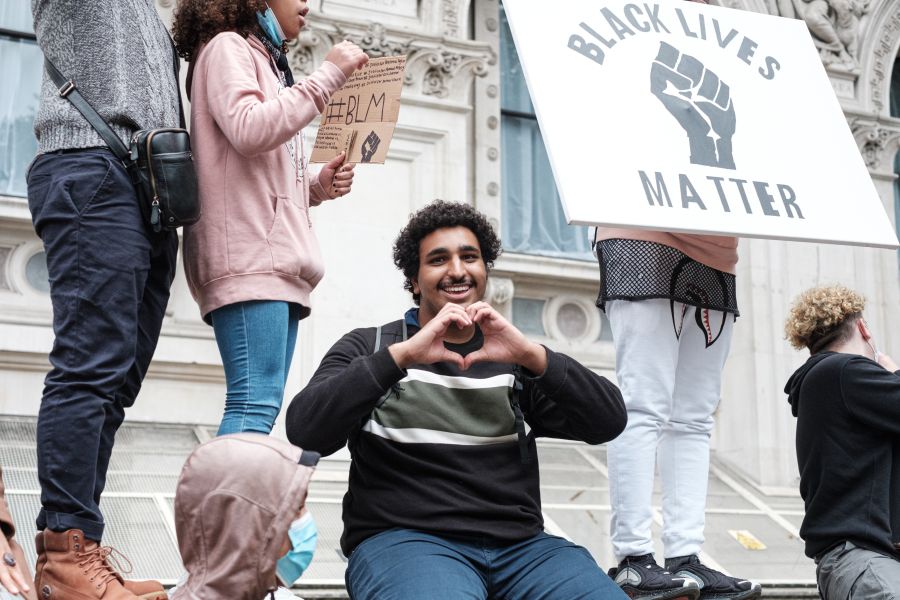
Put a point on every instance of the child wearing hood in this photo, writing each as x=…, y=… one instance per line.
x=236, y=500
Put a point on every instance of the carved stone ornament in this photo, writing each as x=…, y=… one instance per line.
x=450, y=17
x=834, y=25
x=375, y=41
x=500, y=290
x=878, y=142
x=434, y=67
x=883, y=63
x=441, y=68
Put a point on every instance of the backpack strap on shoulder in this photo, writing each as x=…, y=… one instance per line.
x=394, y=389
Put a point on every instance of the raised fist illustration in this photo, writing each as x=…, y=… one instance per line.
x=699, y=101
x=370, y=147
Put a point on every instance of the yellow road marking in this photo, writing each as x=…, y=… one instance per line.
x=747, y=539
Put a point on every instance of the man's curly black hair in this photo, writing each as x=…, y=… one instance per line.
x=438, y=215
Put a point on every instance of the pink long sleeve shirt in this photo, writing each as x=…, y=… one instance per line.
x=254, y=240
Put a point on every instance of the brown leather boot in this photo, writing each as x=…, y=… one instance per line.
x=70, y=567
x=145, y=590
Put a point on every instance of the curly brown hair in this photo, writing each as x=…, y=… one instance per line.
x=438, y=215
x=823, y=315
x=198, y=21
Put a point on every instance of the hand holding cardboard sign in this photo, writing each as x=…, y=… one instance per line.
x=347, y=56
x=337, y=177
x=360, y=118
x=699, y=101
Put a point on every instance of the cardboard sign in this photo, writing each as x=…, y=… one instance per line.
x=361, y=116
x=679, y=116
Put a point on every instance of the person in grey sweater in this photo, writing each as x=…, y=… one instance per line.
x=109, y=273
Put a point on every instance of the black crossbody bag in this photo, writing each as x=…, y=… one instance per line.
x=159, y=161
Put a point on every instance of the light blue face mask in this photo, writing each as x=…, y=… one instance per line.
x=271, y=26
x=303, y=534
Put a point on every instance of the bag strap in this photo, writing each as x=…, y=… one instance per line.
x=177, y=66
x=66, y=89
x=394, y=389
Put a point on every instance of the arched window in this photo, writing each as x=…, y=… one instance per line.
x=533, y=218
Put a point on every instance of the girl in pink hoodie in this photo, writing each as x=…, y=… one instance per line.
x=253, y=258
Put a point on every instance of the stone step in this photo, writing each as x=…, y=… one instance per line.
x=772, y=590
x=789, y=591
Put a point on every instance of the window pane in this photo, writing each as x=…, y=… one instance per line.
x=16, y=15
x=21, y=64
x=515, y=91
x=528, y=315
x=36, y=272
x=533, y=218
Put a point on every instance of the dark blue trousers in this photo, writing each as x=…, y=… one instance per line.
x=402, y=564
x=109, y=285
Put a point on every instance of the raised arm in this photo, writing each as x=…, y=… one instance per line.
x=342, y=392
x=252, y=123
x=561, y=398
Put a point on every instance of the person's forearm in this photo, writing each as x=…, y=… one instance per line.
x=340, y=395
x=535, y=359
x=574, y=402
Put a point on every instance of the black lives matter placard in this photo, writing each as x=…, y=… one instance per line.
x=684, y=117
x=361, y=116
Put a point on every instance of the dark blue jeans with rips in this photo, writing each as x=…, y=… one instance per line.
x=109, y=285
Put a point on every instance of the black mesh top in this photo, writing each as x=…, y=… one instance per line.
x=639, y=270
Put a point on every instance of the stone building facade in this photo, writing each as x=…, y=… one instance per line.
x=449, y=144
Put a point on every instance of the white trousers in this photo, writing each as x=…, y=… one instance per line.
x=669, y=371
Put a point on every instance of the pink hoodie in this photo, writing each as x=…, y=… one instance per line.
x=235, y=501
x=254, y=240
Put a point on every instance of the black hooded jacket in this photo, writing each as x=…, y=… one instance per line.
x=848, y=450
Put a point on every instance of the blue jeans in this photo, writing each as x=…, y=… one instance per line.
x=402, y=564
x=256, y=340
x=109, y=286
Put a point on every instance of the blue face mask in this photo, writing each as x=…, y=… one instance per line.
x=271, y=26
x=303, y=534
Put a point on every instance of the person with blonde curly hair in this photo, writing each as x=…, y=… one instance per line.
x=846, y=398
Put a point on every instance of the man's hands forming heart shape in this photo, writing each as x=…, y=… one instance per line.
x=503, y=343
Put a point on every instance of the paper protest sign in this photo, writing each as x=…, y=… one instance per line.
x=679, y=116
x=361, y=116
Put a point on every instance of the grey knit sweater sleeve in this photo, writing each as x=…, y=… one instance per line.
x=119, y=55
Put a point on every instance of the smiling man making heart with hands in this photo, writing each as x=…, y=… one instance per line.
x=440, y=410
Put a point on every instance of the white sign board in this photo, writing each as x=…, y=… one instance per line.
x=684, y=117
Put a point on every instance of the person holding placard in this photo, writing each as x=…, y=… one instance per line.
x=846, y=398
x=671, y=302
x=253, y=258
